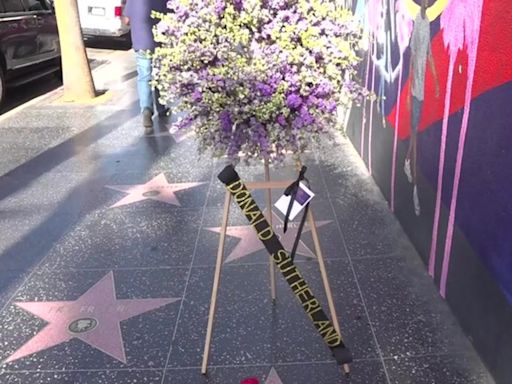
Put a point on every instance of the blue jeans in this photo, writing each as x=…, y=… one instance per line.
x=147, y=98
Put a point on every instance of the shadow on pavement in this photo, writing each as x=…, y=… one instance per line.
x=24, y=93
x=59, y=220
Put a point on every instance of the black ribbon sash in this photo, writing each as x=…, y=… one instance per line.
x=285, y=264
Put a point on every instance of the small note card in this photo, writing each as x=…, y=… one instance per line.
x=303, y=196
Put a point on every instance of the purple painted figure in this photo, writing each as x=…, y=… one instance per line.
x=420, y=53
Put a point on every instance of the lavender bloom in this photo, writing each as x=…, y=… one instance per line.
x=220, y=7
x=239, y=5
x=323, y=90
x=306, y=117
x=293, y=101
x=197, y=96
x=265, y=89
x=186, y=122
x=297, y=123
x=281, y=120
x=331, y=106
x=293, y=82
x=225, y=121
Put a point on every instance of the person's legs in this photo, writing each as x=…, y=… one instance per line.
x=144, y=87
x=416, y=114
x=144, y=80
x=412, y=140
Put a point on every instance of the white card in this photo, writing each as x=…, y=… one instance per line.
x=303, y=196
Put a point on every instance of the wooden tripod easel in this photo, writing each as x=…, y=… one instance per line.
x=268, y=185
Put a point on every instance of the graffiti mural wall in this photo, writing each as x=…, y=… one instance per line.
x=437, y=139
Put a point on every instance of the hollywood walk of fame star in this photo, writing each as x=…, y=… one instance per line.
x=249, y=242
x=93, y=318
x=273, y=377
x=156, y=189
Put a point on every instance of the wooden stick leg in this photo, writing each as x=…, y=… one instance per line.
x=216, y=281
x=323, y=271
x=269, y=218
x=325, y=279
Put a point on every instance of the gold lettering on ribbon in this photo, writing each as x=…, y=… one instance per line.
x=235, y=186
x=266, y=234
x=279, y=256
x=329, y=334
x=243, y=198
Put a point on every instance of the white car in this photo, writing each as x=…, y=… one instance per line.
x=103, y=18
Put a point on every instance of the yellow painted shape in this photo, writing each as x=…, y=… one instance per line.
x=433, y=11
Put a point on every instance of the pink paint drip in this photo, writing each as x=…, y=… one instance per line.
x=395, y=143
x=472, y=29
x=363, y=125
x=440, y=174
x=370, y=127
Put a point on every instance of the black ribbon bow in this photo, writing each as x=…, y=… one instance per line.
x=292, y=190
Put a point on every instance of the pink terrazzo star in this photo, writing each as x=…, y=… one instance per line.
x=94, y=318
x=273, y=377
x=249, y=242
x=156, y=189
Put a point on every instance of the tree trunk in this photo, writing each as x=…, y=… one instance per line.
x=78, y=82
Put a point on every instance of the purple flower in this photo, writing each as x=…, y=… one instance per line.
x=265, y=89
x=293, y=101
x=323, y=89
x=281, y=120
x=331, y=106
x=297, y=123
x=185, y=122
x=239, y=5
x=293, y=82
x=220, y=7
x=306, y=117
x=197, y=96
x=225, y=121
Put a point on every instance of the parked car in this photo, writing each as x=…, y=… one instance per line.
x=29, y=42
x=102, y=19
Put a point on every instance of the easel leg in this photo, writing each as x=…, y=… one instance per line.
x=269, y=218
x=216, y=281
x=325, y=278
